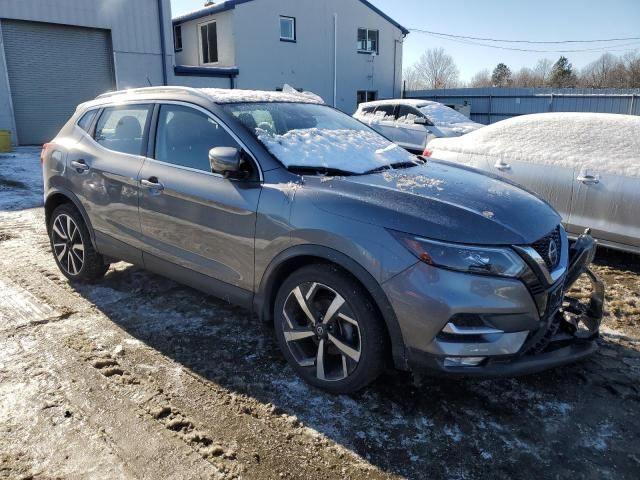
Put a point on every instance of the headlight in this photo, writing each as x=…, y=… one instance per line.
x=464, y=258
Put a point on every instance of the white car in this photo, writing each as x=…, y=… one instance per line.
x=587, y=165
x=412, y=123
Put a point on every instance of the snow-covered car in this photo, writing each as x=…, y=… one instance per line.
x=412, y=123
x=587, y=165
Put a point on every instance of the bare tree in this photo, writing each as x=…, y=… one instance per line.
x=436, y=69
x=526, y=77
x=632, y=66
x=542, y=71
x=606, y=71
x=412, y=79
x=481, y=79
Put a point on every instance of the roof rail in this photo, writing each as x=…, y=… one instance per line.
x=162, y=89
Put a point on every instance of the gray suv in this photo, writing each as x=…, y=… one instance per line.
x=362, y=255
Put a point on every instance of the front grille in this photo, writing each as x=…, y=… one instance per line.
x=542, y=247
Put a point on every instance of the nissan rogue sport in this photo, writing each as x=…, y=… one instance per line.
x=362, y=255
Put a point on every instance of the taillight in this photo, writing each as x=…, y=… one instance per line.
x=44, y=152
x=427, y=153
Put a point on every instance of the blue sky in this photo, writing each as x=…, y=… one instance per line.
x=518, y=20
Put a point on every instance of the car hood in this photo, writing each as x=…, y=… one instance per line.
x=439, y=200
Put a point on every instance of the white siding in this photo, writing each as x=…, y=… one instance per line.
x=266, y=62
x=249, y=38
x=190, y=54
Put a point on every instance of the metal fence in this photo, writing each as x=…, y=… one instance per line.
x=489, y=105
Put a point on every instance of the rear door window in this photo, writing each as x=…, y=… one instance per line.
x=185, y=136
x=408, y=114
x=385, y=112
x=122, y=129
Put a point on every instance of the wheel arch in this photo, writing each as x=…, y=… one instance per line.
x=299, y=256
x=57, y=197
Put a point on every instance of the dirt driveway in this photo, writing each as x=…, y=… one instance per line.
x=139, y=377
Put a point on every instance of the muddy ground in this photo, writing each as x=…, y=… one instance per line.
x=139, y=377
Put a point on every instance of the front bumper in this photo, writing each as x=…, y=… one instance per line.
x=515, y=338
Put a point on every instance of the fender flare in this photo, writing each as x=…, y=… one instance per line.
x=265, y=295
x=76, y=202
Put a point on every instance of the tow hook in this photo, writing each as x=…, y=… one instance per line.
x=575, y=312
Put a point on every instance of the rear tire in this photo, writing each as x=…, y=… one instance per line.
x=329, y=330
x=72, y=248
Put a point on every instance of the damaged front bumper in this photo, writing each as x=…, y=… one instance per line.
x=567, y=333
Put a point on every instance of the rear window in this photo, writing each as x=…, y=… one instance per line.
x=121, y=129
x=87, y=119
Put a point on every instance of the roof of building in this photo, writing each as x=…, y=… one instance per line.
x=231, y=4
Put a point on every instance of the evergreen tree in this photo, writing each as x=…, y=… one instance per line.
x=562, y=74
x=501, y=76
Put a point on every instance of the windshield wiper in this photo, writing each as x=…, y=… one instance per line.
x=332, y=172
x=397, y=166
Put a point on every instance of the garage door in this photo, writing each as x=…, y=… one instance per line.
x=53, y=68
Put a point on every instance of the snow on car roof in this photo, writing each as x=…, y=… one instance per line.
x=223, y=95
x=220, y=95
x=397, y=101
x=603, y=142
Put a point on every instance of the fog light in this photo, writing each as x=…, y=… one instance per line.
x=463, y=361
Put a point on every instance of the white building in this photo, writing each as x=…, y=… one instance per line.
x=346, y=51
x=57, y=54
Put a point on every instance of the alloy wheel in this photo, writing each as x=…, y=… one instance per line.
x=68, y=245
x=321, y=331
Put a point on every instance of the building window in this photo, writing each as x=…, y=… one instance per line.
x=209, y=42
x=287, y=29
x=177, y=38
x=368, y=41
x=366, y=96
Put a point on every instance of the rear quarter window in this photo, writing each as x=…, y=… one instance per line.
x=86, y=120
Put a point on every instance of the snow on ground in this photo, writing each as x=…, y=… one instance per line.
x=590, y=141
x=136, y=376
x=352, y=150
x=20, y=178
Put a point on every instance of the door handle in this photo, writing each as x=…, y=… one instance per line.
x=502, y=166
x=588, y=179
x=80, y=165
x=152, y=184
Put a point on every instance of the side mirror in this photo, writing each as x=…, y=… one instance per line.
x=421, y=121
x=224, y=160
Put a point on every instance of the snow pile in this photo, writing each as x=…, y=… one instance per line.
x=224, y=95
x=351, y=150
x=601, y=142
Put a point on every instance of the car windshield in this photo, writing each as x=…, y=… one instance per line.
x=311, y=136
x=442, y=115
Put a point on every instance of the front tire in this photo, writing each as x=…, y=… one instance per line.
x=329, y=330
x=72, y=248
